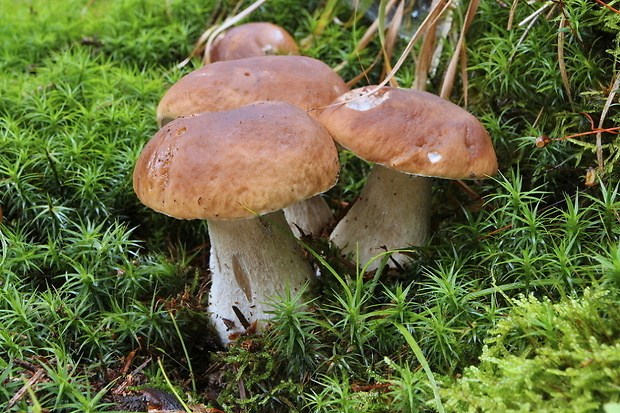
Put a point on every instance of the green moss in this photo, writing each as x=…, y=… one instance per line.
x=79, y=84
x=545, y=357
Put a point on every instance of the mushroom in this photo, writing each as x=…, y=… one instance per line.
x=303, y=81
x=237, y=169
x=250, y=40
x=410, y=135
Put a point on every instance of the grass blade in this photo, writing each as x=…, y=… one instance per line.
x=423, y=362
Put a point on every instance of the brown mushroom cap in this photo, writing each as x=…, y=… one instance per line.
x=252, y=39
x=303, y=81
x=232, y=164
x=411, y=131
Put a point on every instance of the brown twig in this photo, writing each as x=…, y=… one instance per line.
x=511, y=15
x=459, y=52
x=599, y=137
x=36, y=378
x=129, y=379
x=561, y=61
x=608, y=6
x=390, y=40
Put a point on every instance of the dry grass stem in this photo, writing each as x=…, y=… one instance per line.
x=232, y=20
x=561, y=61
x=430, y=20
x=443, y=31
x=206, y=39
x=531, y=23
x=511, y=15
x=372, y=29
x=425, y=55
x=363, y=73
x=36, y=378
x=391, y=39
x=534, y=16
x=599, y=137
x=464, y=77
x=435, y=13
x=129, y=379
x=429, y=55
x=460, y=51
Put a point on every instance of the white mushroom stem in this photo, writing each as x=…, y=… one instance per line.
x=253, y=261
x=309, y=217
x=392, y=212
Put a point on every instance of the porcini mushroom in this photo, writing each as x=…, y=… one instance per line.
x=410, y=135
x=250, y=40
x=305, y=82
x=237, y=169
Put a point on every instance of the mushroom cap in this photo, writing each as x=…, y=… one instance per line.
x=237, y=163
x=303, y=81
x=411, y=131
x=252, y=39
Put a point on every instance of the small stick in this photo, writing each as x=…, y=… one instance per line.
x=599, y=139
x=128, y=362
x=121, y=387
x=27, y=365
x=607, y=5
x=35, y=379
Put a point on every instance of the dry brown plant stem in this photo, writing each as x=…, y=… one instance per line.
x=208, y=36
x=372, y=29
x=425, y=55
x=391, y=39
x=561, y=61
x=599, y=137
x=430, y=20
x=36, y=378
x=460, y=51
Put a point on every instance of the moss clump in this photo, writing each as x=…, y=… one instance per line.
x=546, y=357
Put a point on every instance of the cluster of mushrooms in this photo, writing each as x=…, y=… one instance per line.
x=250, y=141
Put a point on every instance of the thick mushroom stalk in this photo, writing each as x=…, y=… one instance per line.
x=247, y=277
x=405, y=132
x=391, y=212
x=309, y=217
x=230, y=168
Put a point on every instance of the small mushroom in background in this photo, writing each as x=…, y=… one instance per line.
x=302, y=81
x=410, y=135
x=238, y=169
x=251, y=40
